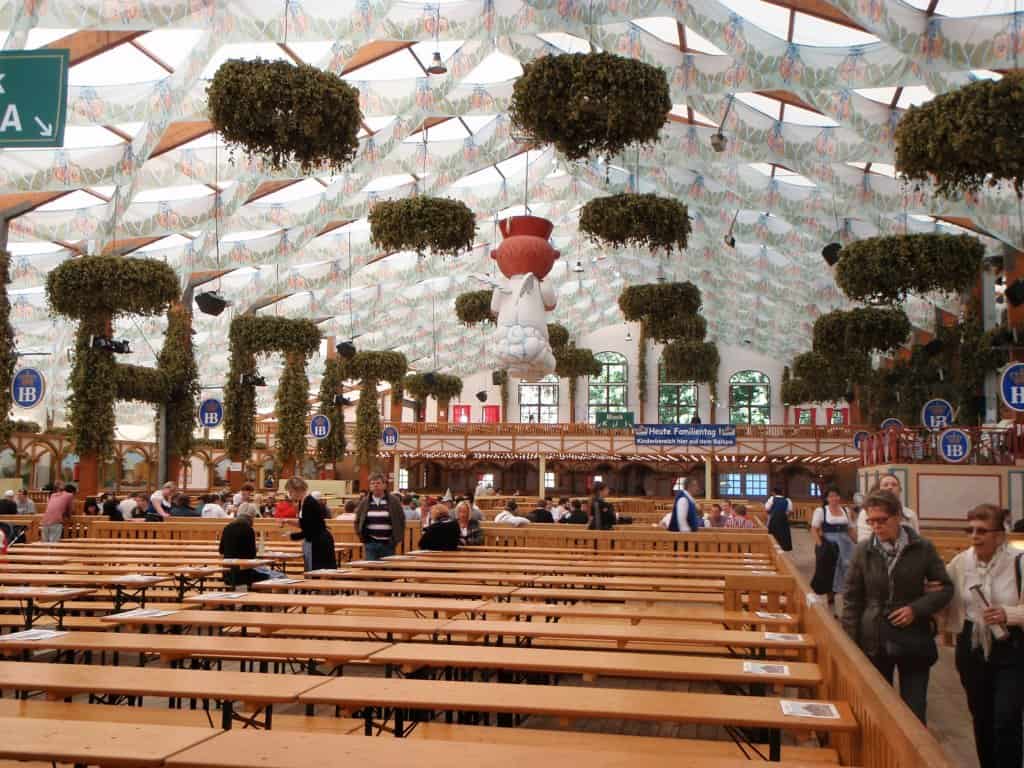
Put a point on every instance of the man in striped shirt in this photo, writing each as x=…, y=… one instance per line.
x=380, y=521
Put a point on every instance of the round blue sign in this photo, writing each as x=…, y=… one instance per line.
x=1011, y=386
x=936, y=414
x=955, y=445
x=891, y=423
x=27, y=388
x=859, y=437
x=211, y=413
x=320, y=426
x=389, y=437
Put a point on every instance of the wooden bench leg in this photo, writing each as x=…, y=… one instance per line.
x=775, y=745
x=226, y=715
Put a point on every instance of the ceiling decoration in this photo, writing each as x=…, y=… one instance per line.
x=806, y=94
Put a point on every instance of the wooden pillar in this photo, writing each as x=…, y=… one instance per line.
x=364, y=477
x=709, y=465
x=542, y=467
x=396, y=467
x=174, y=464
x=396, y=410
x=88, y=475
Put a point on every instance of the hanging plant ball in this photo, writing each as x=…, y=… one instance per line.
x=374, y=366
x=474, y=307
x=100, y=286
x=865, y=329
x=670, y=327
x=886, y=269
x=966, y=138
x=285, y=112
x=817, y=378
x=639, y=302
x=558, y=335
x=572, y=362
x=646, y=221
x=591, y=103
x=440, y=386
x=436, y=224
x=691, y=361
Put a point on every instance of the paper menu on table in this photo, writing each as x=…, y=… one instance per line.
x=765, y=668
x=32, y=634
x=816, y=709
x=280, y=581
x=144, y=613
x=783, y=637
x=775, y=616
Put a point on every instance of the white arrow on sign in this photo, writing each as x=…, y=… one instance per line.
x=45, y=129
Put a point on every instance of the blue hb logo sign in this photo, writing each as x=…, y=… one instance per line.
x=211, y=413
x=1011, y=386
x=320, y=426
x=891, y=423
x=390, y=437
x=27, y=388
x=937, y=414
x=955, y=445
x=859, y=437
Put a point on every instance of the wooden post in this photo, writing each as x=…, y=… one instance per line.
x=542, y=467
x=709, y=464
x=396, y=467
x=88, y=475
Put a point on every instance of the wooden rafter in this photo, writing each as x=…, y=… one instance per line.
x=86, y=44
x=820, y=9
x=181, y=133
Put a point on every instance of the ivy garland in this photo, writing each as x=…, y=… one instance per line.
x=886, y=269
x=440, y=386
x=571, y=362
x=331, y=449
x=282, y=111
x=8, y=352
x=641, y=367
x=260, y=334
x=558, y=335
x=586, y=103
x=93, y=387
x=644, y=220
x=437, y=224
x=177, y=362
x=108, y=286
x=141, y=384
x=691, y=361
x=30, y=427
x=370, y=368
x=367, y=424
x=474, y=307
x=638, y=302
x=863, y=329
x=504, y=389
x=669, y=327
x=292, y=406
x=966, y=138
x=819, y=378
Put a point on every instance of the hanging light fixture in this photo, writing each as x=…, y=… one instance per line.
x=437, y=66
x=629, y=335
x=718, y=139
x=578, y=266
x=729, y=240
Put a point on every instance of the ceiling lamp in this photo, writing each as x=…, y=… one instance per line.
x=437, y=66
x=481, y=396
x=346, y=350
x=830, y=253
x=211, y=303
x=729, y=240
x=578, y=266
x=1015, y=293
x=629, y=336
x=718, y=140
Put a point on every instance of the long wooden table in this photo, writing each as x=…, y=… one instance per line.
x=127, y=587
x=40, y=602
x=438, y=606
x=387, y=587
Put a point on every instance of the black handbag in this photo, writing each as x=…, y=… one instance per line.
x=826, y=555
x=915, y=641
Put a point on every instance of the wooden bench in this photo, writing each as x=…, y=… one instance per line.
x=648, y=597
x=633, y=614
x=443, y=607
x=387, y=587
x=432, y=577
x=565, y=702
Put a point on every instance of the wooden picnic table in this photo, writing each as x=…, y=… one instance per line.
x=120, y=745
x=62, y=680
x=268, y=623
x=352, y=693
x=39, y=602
x=444, y=607
x=654, y=583
x=593, y=664
x=469, y=555
x=277, y=749
x=648, y=596
x=596, y=569
x=127, y=587
x=442, y=577
x=634, y=614
x=386, y=587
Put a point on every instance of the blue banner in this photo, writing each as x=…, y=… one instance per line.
x=320, y=426
x=27, y=388
x=711, y=435
x=211, y=413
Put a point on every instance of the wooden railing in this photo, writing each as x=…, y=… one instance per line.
x=989, y=446
x=788, y=431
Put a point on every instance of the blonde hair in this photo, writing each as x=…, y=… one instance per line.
x=247, y=509
x=296, y=484
x=463, y=505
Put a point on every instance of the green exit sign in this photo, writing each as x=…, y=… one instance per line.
x=621, y=420
x=33, y=97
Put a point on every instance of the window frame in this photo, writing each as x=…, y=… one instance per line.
x=679, y=411
x=545, y=413
x=601, y=382
x=749, y=408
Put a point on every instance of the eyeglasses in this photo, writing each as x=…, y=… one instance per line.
x=876, y=521
x=972, y=531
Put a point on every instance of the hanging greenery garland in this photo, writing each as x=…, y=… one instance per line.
x=436, y=224
x=371, y=368
x=8, y=352
x=669, y=327
x=375, y=366
x=285, y=112
x=794, y=391
x=558, y=336
x=440, y=386
x=93, y=393
x=367, y=425
x=691, y=361
x=638, y=302
x=292, y=407
x=94, y=286
x=474, y=307
x=886, y=269
x=331, y=449
x=591, y=103
x=641, y=367
x=864, y=329
x=502, y=376
x=260, y=334
x=821, y=378
x=177, y=362
x=966, y=138
x=572, y=362
x=645, y=221
x=25, y=427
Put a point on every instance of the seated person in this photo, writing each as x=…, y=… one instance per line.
x=7, y=504
x=541, y=514
x=508, y=516
x=108, y=503
x=576, y=514
x=349, y=512
x=268, y=505
x=181, y=506
x=238, y=540
x=740, y=519
x=212, y=507
x=443, y=533
x=470, y=532
x=409, y=508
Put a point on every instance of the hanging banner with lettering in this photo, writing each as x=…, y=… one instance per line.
x=1011, y=386
x=27, y=388
x=936, y=414
x=954, y=445
x=713, y=435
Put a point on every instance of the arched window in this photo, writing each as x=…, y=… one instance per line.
x=538, y=401
x=677, y=401
x=750, y=398
x=608, y=391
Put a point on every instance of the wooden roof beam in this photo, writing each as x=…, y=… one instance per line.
x=87, y=44
x=181, y=133
x=820, y=9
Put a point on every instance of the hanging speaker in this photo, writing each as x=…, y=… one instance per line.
x=496, y=378
x=346, y=350
x=1015, y=293
x=830, y=253
x=211, y=303
x=430, y=379
x=481, y=396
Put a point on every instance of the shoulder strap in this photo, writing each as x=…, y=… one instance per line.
x=1017, y=573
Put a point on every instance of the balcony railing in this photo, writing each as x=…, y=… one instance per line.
x=785, y=431
x=989, y=445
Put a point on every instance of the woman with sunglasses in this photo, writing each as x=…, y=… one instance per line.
x=987, y=616
x=887, y=610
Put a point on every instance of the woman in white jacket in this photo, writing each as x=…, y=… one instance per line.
x=987, y=616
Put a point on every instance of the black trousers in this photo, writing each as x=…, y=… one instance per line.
x=914, y=675
x=995, y=697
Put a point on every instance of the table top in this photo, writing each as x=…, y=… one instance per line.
x=43, y=594
x=598, y=663
x=433, y=577
x=617, y=595
x=567, y=701
x=446, y=606
x=691, y=613
x=421, y=588
x=527, y=567
x=96, y=743
x=69, y=679
x=87, y=579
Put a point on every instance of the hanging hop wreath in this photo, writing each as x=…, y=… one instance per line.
x=817, y=378
x=107, y=286
x=419, y=223
x=886, y=269
x=586, y=103
x=571, y=362
x=966, y=138
x=332, y=448
x=441, y=386
x=646, y=221
x=474, y=307
x=691, y=361
x=558, y=336
x=283, y=112
x=863, y=329
x=667, y=311
x=370, y=368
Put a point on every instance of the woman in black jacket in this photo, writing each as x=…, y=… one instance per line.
x=317, y=541
x=602, y=515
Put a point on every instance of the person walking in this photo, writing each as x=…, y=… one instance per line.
x=602, y=515
x=834, y=536
x=892, y=484
x=317, y=541
x=380, y=520
x=779, y=508
x=684, y=516
x=59, y=508
x=986, y=615
x=887, y=610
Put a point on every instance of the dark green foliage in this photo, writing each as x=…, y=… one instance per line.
x=640, y=301
x=177, y=362
x=863, y=329
x=646, y=221
x=332, y=448
x=474, y=307
x=558, y=336
x=92, y=286
x=283, y=112
x=441, y=386
x=691, y=361
x=292, y=406
x=571, y=362
x=8, y=356
x=419, y=223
